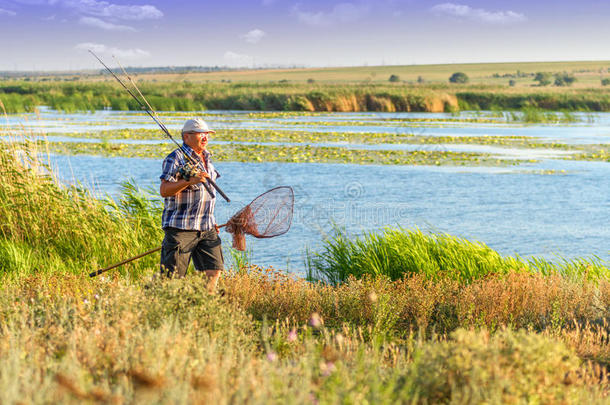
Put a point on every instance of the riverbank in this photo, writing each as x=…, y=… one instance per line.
x=20, y=96
x=507, y=333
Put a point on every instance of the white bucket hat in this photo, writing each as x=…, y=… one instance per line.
x=196, y=125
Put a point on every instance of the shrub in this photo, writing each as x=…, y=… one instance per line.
x=459, y=77
x=310, y=81
x=394, y=79
x=512, y=83
x=564, y=79
x=508, y=367
x=543, y=78
x=606, y=81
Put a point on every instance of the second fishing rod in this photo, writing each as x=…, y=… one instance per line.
x=197, y=164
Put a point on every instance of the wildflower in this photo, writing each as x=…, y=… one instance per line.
x=271, y=356
x=315, y=321
x=340, y=339
x=85, y=301
x=327, y=368
x=292, y=335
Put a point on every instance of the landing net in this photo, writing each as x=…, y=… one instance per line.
x=267, y=216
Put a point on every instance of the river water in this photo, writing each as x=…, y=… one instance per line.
x=515, y=210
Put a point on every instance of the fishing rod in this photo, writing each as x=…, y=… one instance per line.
x=155, y=118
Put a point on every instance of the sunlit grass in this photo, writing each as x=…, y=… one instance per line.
x=457, y=323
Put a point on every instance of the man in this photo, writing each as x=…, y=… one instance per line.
x=188, y=213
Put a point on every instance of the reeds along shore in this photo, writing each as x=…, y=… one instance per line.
x=502, y=335
x=20, y=96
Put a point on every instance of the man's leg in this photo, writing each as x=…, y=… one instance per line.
x=213, y=276
x=176, y=252
x=208, y=258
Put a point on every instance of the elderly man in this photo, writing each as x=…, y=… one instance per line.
x=188, y=214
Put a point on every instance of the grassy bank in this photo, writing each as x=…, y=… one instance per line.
x=21, y=96
x=70, y=339
x=50, y=229
x=395, y=253
x=459, y=324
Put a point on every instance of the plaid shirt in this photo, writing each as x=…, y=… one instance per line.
x=193, y=207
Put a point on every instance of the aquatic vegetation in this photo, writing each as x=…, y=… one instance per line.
x=595, y=152
x=367, y=138
x=289, y=154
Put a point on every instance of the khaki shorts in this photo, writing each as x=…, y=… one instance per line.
x=179, y=246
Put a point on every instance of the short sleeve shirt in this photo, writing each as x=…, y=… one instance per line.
x=193, y=207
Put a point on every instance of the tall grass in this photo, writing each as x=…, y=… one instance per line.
x=275, y=338
x=396, y=253
x=19, y=96
x=48, y=227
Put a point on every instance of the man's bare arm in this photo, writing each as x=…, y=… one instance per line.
x=171, y=188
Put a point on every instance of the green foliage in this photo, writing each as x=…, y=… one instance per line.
x=397, y=253
x=394, y=79
x=48, y=227
x=543, y=78
x=459, y=77
x=550, y=101
x=512, y=82
x=564, y=79
x=606, y=81
x=508, y=367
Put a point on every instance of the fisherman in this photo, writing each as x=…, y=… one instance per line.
x=188, y=213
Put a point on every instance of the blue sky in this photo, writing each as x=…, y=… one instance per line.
x=54, y=34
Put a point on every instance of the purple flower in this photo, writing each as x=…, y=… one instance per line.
x=315, y=320
x=271, y=356
x=292, y=335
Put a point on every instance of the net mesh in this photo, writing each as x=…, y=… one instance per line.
x=268, y=215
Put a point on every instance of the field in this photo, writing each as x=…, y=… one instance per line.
x=399, y=317
x=589, y=73
x=415, y=88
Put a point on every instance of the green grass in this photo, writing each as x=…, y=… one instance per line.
x=396, y=253
x=471, y=328
x=19, y=96
x=51, y=228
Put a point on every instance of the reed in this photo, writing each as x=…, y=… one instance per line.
x=396, y=253
x=22, y=96
x=50, y=227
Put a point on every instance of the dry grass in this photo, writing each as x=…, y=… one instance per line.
x=276, y=339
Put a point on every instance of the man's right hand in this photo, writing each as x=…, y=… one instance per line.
x=198, y=178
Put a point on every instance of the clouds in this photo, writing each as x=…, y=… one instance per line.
x=97, y=23
x=478, y=14
x=109, y=10
x=8, y=13
x=253, y=36
x=237, y=59
x=118, y=52
x=341, y=13
x=101, y=14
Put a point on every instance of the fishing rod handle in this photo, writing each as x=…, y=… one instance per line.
x=100, y=271
x=213, y=183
